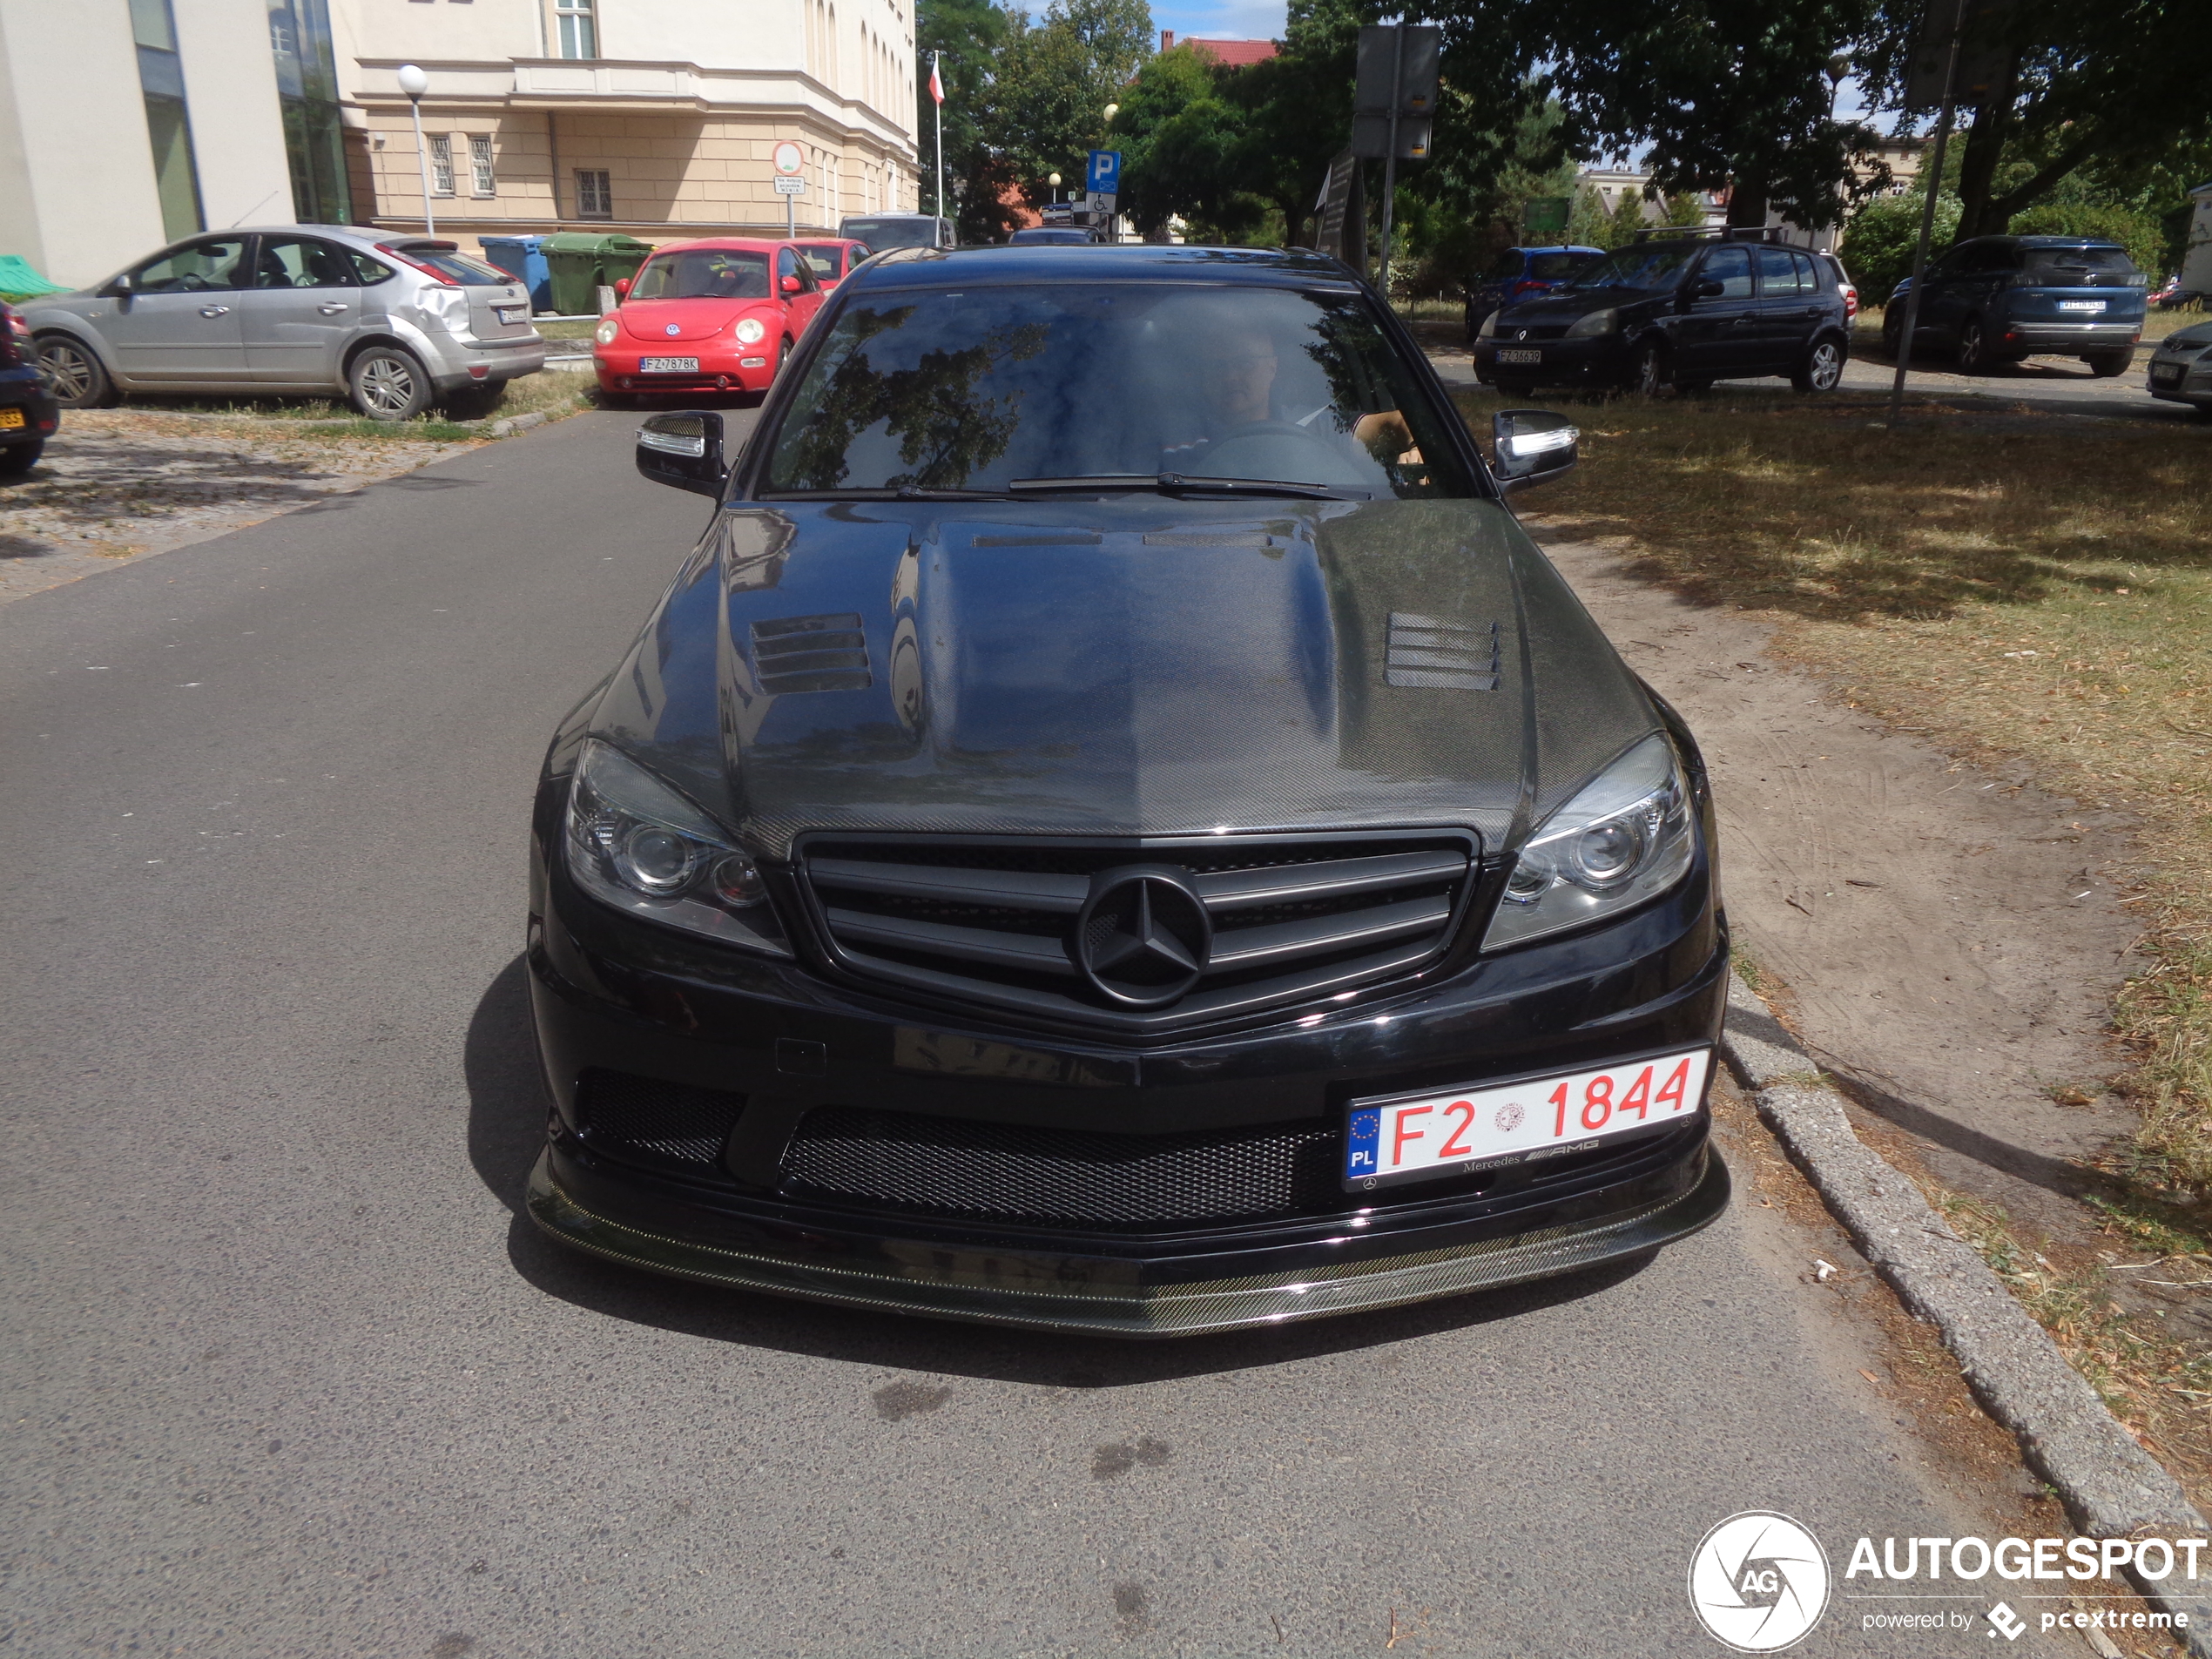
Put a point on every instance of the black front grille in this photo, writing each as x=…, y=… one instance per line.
x=1051, y=1177
x=632, y=1116
x=994, y=922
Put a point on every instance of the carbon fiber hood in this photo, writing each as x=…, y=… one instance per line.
x=1149, y=666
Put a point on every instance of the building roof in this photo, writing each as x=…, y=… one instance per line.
x=1234, y=53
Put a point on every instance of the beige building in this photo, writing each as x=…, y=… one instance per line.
x=126, y=124
x=643, y=116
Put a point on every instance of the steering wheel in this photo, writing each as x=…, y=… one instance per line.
x=191, y=282
x=1278, y=450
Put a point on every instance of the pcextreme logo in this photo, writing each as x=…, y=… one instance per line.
x=1758, y=1582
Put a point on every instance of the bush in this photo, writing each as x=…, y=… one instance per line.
x=1878, y=248
x=2140, y=234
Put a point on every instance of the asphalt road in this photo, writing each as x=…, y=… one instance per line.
x=287, y=1376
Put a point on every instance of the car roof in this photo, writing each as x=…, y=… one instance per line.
x=911, y=268
x=732, y=244
x=1555, y=247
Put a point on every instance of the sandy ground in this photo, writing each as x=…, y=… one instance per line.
x=1947, y=941
x=117, y=484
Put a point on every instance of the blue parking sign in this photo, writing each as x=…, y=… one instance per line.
x=1105, y=175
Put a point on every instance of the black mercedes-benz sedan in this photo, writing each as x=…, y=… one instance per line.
x=1115, y=827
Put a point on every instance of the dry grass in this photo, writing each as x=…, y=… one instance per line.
x=2021, y=587
x=556, y=393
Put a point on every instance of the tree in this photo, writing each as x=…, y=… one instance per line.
x=1053, y=80
x=1180, y=143
x=968, y=33
x=1588, y=224
x=1878, y=248
x=2109, y=93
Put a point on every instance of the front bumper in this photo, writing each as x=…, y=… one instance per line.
x=723, y=367
x=1105, y=1296
x=1594, y=359
x=2181, y=377
x=611, y=994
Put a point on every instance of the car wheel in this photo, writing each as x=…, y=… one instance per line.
x=1892, y=329
x=2108, y=365
x=388, y=384
x=19, y=458
x=475, y=402
x=1685, y=387
x=1822, y=368
x=75, y=375
x=1974, y=349
x=1650, y=376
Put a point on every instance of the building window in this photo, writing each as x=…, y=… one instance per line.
x=595, y=196
x=161, y=79
x=482, y=179
x=441, y=163
x=579, y=32
x=314, y=144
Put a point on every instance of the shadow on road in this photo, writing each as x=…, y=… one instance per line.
x=507, y=1126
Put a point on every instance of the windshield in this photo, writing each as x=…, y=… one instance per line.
x=2080, y=267
x=457, y=269
x=703, y=273
x=1657, y=266
x=1004, y=387
x=881, y=233
x=1557, y=267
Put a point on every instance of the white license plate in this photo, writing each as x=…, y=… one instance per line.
x=2081, y=305
x=1411, y=1137
x=668, y=365
x=512, y=313
x=2166, y=374
x=1520, y=356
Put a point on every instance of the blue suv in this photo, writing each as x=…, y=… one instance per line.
x=1522, y=274
x=1997, y=299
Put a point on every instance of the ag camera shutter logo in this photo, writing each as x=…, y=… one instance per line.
x=1758, y=1582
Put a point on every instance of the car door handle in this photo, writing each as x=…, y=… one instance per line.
x=1812, y=311
x=214, y=310
x=330, y=311
x=1745, y=322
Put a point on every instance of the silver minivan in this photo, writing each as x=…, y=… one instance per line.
x=396, y=323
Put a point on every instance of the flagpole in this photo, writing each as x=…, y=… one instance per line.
x=936, y=70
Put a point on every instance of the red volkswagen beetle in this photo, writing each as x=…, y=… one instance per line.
x=713, y=315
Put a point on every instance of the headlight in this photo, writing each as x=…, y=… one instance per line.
x=607, y=331
x=635, y=843
x=1489, y=329
x=1607, y=321
x=749, y=330
x=1627, y=836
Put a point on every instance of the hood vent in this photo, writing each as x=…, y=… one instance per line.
x=811, y=654
x=1448, y=655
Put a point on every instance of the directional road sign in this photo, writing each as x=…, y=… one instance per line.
x=1105, y=172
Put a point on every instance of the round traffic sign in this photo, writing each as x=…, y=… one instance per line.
x=790, y=160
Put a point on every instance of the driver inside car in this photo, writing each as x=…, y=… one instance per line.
x=1237, y=370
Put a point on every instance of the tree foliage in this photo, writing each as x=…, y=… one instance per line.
x=1878, y=248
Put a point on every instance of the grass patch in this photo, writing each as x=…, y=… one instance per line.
x=555, y=393
x=2019, y=586
x=580, y=329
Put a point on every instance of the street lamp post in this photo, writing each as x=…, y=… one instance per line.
x=415, y=84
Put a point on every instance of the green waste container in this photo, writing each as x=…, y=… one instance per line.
x=582, y=262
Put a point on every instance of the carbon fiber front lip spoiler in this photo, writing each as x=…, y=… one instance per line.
x=936, y=1285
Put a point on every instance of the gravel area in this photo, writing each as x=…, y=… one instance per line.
x=119, y=484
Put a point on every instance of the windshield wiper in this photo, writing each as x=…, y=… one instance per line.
x=904, y=492
x=1181, y=483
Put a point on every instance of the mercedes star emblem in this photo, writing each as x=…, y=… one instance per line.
x=1143, y=936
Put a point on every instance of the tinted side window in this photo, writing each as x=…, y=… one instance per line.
x=1777, y=273
x=212, y=264
x=1992, y=258
x=1507, y=264
x=1731, y=268
x=299, y=262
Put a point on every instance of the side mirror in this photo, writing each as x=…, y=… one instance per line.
x=1533, y=446
x=683, y=448
x=120, y=288
x=791, y=285
x=1708, y=288
x=622, y=288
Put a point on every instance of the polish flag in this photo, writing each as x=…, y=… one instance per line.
x=936, y=86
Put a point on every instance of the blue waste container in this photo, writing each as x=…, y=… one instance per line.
x=523, y=258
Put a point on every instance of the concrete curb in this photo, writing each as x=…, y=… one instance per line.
x=519, y=423
x=2110, y=1485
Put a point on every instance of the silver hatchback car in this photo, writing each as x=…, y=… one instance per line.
x=396, y=323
